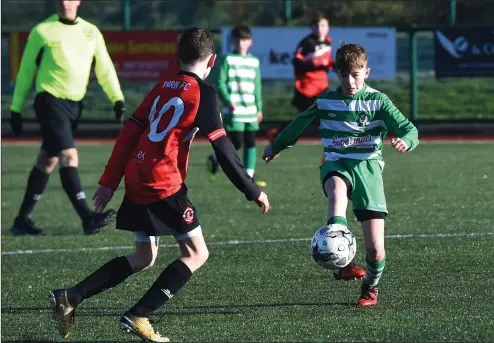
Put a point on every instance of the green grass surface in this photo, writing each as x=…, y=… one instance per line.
x=456, y=98
x=436, y=286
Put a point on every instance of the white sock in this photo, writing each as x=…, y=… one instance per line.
x=250, y=172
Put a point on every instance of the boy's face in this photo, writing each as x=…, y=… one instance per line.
x=321, y=30
x=242, y=45
x=353, y=81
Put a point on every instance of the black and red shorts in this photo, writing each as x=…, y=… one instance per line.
x=174, y=215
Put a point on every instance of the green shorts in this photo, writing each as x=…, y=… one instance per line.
x=365, y=177
x=231, y=125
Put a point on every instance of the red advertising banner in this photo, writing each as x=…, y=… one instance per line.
x=137, y=55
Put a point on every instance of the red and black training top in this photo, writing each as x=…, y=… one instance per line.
x=152, y=149
x=311, y=64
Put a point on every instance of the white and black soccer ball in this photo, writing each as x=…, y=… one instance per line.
x=333, y=246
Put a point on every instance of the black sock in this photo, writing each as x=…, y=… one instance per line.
x=107, y=276
x=36, y=184
x=170, y=281
x=72, y=186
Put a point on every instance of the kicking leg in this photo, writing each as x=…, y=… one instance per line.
x=337, y=189
x=36, y=184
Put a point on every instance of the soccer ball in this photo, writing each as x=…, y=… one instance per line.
x=333, y=246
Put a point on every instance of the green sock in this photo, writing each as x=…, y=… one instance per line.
x=250, y=160
x=373, y=271
x=338, y=220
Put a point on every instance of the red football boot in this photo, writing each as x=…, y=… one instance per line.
x=368, y=297
x=350, y=272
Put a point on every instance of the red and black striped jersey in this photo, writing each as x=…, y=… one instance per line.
x=311, y=64
x=152, y=149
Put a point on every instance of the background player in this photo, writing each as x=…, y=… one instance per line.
x=311, y=63
x=353, y=140
x=152, y=151
x=239, y=87
x=59, y=53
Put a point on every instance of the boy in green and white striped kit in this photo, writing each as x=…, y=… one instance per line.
x=354, y=120
x=239, y=87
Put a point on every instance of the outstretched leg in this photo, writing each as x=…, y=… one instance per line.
x=337, y=188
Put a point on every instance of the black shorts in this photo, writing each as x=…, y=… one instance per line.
x=174, y=215
x=58, y=120
x=302, y=102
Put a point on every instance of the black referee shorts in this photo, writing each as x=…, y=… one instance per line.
x=58, y=120
x=174, y=215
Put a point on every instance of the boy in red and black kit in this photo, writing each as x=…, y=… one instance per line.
x=152, y=152
x=311, y=63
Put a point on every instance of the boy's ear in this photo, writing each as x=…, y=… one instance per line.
x=211, y=61
x=367, y=72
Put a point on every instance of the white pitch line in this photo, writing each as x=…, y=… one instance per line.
x=239, y=242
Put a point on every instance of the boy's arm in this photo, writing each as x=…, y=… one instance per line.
x=290, y=134
x=208, y=119
x=27, y=70
x=125, y=145
x=105, y=70
x=397, y=123
x=222, y=84
x=258, y=89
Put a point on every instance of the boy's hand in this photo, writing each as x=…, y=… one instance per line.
x=101, y=197
x=399, y=144
x=268, y=155
x=263, y=202
x=231, y=107
x=259, y=117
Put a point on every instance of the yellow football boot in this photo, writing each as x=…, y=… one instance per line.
x=141, y=327
x=63, y=312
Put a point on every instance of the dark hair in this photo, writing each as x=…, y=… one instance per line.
x=195, y=44
x=350, y=57
x=317, y=17
x=241, y=32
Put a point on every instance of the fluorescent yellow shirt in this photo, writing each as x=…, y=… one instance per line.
x=60, y=55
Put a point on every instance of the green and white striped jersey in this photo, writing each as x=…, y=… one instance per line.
x=239, y=82
x=352, y=127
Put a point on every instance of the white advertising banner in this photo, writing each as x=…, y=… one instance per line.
x=275, y=48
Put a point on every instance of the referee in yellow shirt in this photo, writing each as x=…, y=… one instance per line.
x=59, y=54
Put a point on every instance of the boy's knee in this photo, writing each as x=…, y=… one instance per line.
x=336, y=185
x=201, y=256
x=196, y=259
